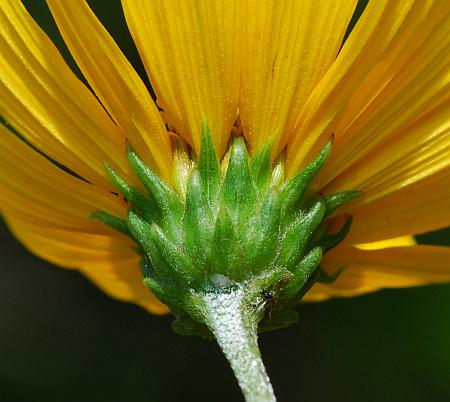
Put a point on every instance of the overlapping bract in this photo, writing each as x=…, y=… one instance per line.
x=235, y=228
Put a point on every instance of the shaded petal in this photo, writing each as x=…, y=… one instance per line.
x=414, y=153
x=367, y=271
x=287, y=47
x=115, y=82
x=392, y=69
x=109, y=261
x=123, y=281
x=47, y=104
x=419, y=208
x=34, y=189
x=191, y=52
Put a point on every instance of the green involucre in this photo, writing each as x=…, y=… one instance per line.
x=234, y=230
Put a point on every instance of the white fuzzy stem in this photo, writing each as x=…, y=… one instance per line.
x=236, y=333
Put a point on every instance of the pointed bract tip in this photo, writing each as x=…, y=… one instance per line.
x=115, y=178
x=328, y=147
x=205, y=127
x=110, y=171
x=130, y=152
x=112, y=221
x=238, y=147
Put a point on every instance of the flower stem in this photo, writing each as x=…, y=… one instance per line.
x=234, y=325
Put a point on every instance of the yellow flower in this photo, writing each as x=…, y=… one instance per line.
x=385, y=95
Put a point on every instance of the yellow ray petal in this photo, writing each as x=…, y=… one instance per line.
x=109, y=261
x=388, y=33
x=287, y=47
x=396, y=242
x=33, y=189
x=419, y=208
x=115, y=82
x=123, y=281
x=396, y=267
x=405, y=98
x=48, y=105
x=73, y=249
x=190, y=50
x=418, y=151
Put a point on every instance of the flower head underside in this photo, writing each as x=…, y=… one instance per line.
x=281, y=70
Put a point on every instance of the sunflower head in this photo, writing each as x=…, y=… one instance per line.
x=233, y=224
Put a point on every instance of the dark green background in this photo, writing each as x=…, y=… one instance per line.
x=62, y=340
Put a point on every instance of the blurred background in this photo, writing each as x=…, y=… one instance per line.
x=62, y=340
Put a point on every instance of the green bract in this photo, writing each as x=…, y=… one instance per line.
x=241, y=230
